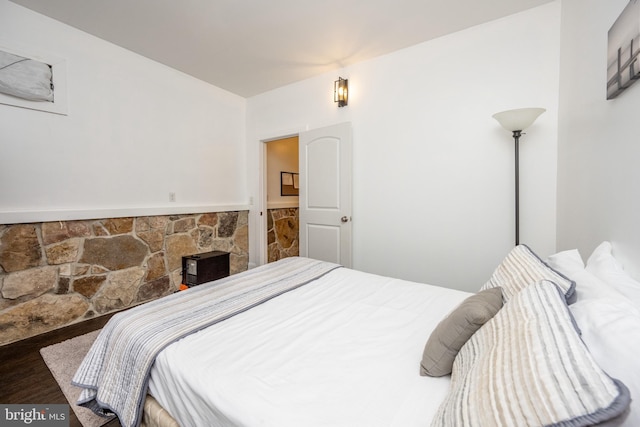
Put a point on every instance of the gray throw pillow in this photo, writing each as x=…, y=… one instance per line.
x=456, y=329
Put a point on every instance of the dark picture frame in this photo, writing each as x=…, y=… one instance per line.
x=289, y=184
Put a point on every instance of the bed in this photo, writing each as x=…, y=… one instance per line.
x=331, y=346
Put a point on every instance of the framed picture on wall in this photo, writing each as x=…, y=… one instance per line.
x=32, y=80
x=623, y=68
x=289, y=184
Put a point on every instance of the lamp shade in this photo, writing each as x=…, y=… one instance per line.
x=518, y=119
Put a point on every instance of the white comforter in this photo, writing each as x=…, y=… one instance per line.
x=344, y=350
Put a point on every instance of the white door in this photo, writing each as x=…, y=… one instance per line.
x=325, y=194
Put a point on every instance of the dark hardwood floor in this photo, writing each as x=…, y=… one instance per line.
x=25, y=378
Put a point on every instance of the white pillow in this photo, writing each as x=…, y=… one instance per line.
x=610, y=328
x=604, y=266
x=588, y=285
x=566, y=262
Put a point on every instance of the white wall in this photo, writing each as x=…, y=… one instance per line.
x=282, y=156
x=136, y=130
x=599, y=151
x=433, y=172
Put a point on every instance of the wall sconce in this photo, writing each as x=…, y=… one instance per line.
x=341, y=91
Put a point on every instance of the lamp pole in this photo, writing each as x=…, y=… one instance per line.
x=516, y=121
x=516, y=138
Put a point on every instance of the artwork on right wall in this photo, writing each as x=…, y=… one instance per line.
x=623, y=68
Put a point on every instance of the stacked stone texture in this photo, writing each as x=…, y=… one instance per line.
x=53, y=274
x=282, y=233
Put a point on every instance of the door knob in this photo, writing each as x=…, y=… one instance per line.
x=344, y=219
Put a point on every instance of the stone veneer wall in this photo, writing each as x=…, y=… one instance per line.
x=283, y=230
x=56, y=273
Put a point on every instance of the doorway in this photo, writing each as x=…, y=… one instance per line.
x=282, y=198
x=325, y=197
x=318, y=222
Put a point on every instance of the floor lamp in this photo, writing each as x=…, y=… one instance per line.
x=516, y=121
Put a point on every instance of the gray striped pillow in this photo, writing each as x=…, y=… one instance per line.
x=528, y=367
x=521, y=268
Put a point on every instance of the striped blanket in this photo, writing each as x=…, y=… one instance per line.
x=114, y=375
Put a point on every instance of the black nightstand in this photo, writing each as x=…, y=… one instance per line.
x=205, y=267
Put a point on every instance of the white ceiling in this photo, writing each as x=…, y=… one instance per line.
x=251, y=46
